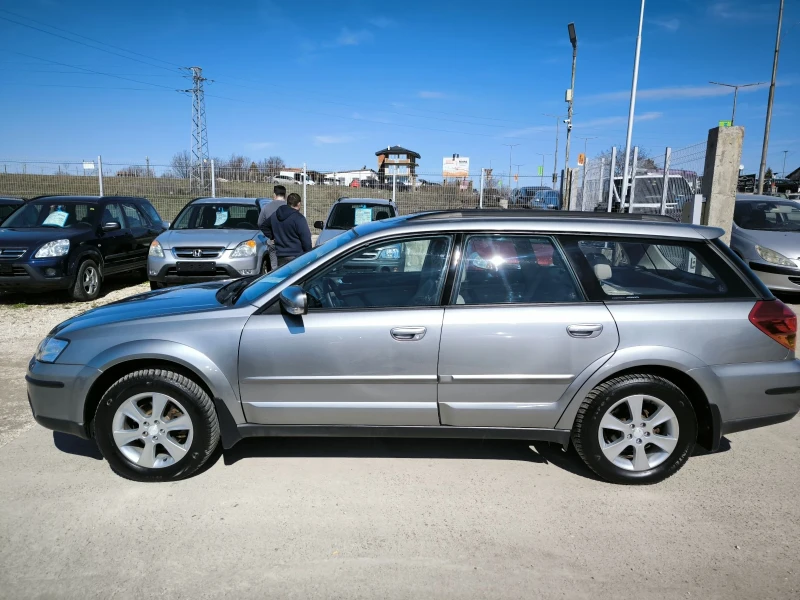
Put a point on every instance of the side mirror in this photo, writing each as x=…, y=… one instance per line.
x=111, y=226
x=319, y=225
x=165, y=224
x=294, y=300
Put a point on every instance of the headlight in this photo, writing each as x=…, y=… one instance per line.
x=390, y=252
x=156, y=249
x=776, y=258
x=54, y=248
x=245, y=249
x=50, y=349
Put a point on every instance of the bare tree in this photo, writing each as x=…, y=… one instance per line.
x=645, y=160
x=181, y=164
x=272, y=165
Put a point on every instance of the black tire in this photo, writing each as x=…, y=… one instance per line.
x=198, y=406
x=156, y=285
x=82, y=292
x=265, y=265
x=586, y=432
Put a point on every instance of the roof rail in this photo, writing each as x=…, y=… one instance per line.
x=482, y=213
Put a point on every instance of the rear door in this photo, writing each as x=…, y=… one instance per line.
x=517, y=334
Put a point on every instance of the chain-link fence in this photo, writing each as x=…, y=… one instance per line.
x=169, y=188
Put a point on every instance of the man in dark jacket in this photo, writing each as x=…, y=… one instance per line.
x=290, y=231
x=278, y=200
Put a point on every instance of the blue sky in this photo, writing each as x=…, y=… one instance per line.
x=329, y=83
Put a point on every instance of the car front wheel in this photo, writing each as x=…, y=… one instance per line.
x=87, y=282
x=635, y=429
x=156, y=425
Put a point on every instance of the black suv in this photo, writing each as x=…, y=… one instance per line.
x=73, y=242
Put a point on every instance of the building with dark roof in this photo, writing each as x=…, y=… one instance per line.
x=399, y=161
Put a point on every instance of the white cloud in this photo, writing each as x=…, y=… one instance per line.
x=668, y=93
x=598, y=123
x=320, y=140
x=382, y=22
x=670, y=25
x=353, y=38
x=431, y=95
x=259, y=145
x=736, y=11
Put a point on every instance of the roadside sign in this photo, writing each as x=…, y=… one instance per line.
x=516, y=177
x=88, y=165
x=541, y=171
x=725, y=123
x=581, y=159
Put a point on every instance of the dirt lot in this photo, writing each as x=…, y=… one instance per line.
x=382, y=518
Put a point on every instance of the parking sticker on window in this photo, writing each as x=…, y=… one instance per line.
x=222, y=216
x=56, y=218
x=363, y=215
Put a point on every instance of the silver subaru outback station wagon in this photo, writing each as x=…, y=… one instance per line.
x=632, y=338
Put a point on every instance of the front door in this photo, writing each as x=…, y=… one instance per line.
x=366, y=352
x=115, y=245
x=518, y=335
x=143, y=234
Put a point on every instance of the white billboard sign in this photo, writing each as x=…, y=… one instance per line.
x=455, y=167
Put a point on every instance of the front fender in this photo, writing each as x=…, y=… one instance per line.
x=640, y=356
x=164, y=350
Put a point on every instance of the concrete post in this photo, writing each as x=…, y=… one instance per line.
x=720, y=177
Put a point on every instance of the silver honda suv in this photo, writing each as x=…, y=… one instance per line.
x=632, y=338
x=210, y=239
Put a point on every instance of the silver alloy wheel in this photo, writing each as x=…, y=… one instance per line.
x=152, y=430
x=90, y=280
x=638, y=433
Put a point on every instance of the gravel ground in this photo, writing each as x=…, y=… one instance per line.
x=367, y=518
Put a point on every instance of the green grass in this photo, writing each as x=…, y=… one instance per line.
x=19, y=305
x=170, y=195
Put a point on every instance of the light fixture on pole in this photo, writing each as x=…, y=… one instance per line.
x=510, y=151
x=632, y=110
x=573, y=39
x=736, y=93
x=763, y=167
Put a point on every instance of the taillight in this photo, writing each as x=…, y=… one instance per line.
x=777, y=320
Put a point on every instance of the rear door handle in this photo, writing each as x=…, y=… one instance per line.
x=408, y=334
x=585, y=331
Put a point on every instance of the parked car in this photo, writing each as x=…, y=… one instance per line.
x=347, y=213
x=546, y=200
x=8, y=206
x=73, y=242
x=524, y=196
x=766, y=234
x=211, y=238
x=632, y=338
x=284, y=179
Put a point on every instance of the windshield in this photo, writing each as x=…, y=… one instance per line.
x=58, y=214
x=347, y=215
x=259, y=287
x=767, y=216
x=218, y=216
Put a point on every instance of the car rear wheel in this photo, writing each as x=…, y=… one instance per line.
x=156, y=425
x=86, y=286
x=635, y=429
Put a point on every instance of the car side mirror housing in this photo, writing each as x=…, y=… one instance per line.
x=294, y=300
x=319, y=225
x=165, y=224
x=112, y=226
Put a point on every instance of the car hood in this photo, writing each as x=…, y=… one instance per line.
x=785, y=242
x=160, y=303
x=32, y=236
x=328, y=234
x=229, y=238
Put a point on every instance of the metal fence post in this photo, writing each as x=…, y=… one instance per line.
x=633, y=179
x=481, y=196
x=394, y=184
x=305, y=204
x=100, y=173
x=611, y=188
x=667, y=157
x=213, y=180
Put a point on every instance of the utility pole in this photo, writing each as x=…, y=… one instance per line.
x=510, y=151
x=765, y=147
x=199, y=132
x=573, y=39
x=555, y=156
x=632, y=109
x=783, y=173
x=736, y=93
x=518, y=166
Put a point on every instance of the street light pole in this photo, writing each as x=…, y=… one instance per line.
x=573, y=38
x=765, y=147
x=510, y=151
x=736, y=93
x=518, y=166
x=555, y=155
x=632, y=109
x=783, y=173
x=541, y=176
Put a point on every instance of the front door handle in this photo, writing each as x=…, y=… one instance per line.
x=408, y=334
x=584, y=331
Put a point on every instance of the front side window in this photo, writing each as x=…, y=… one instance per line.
x=112, y=213
x=514, y=269
x=218, y=216
x=132, y=215
x=346, y=215
x=404, y=273
x=644, y=269
x=63, y=215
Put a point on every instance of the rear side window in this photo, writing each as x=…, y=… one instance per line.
x=638, y=269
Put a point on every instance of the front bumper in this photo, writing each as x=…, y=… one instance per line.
x=57, y=395
x=36, y=274
x=165, y=270
x=775, y=277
